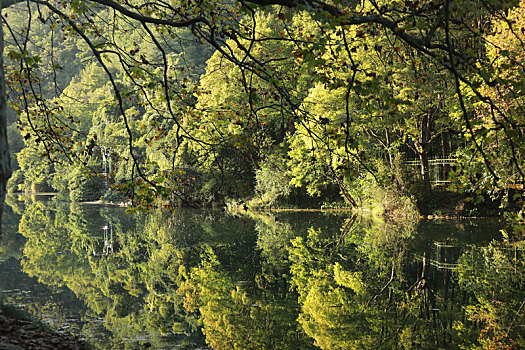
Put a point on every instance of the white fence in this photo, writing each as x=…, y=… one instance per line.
x=439, y=169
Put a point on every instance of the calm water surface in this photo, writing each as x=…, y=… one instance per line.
x=206, y=279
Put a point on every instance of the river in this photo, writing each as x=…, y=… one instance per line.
x=197, y=279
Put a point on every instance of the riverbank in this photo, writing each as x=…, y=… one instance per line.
x=17, y=332
x=438, y=204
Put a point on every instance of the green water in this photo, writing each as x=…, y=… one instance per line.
x=208, y=279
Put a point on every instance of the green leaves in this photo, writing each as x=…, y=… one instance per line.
x=32, y=61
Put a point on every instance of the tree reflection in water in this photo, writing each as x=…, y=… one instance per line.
x=274, y=281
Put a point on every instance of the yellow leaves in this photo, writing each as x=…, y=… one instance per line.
x=352, y=280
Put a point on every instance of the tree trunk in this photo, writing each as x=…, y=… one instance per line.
x=5, y=163
x=425, y=170
x=421, y=147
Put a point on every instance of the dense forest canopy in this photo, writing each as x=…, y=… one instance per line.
x=204, y=101
x=383, y=105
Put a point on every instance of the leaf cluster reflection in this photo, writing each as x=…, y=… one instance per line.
x=276, y=280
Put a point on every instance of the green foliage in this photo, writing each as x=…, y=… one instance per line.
x=281, y=101
x=347, y=282
x=231, y=316
x=272, y=182
x=281, y=104
x=494, y=274
x=15, y=181
x=338, y=285
x=389, y=193
x=36, y=169
x=84, y=187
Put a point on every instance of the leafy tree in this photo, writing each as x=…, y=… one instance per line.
x=231, y=316
x=278, y=59
x=493, y=123
x=494, y=274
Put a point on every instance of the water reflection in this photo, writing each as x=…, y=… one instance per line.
x=263, y=280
